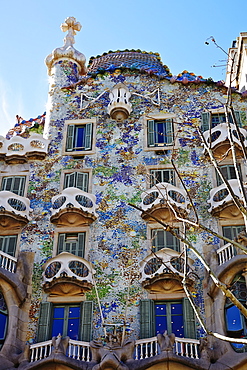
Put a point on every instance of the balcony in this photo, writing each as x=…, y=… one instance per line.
x=119, y=107
x=73, y=207
x=19, y=149
x=7, y=262
x=163, y=270
x=164, y=201
x=14, y=210
x=67, y=274
x=219, y=141
x=144, y=348
x=221, y=202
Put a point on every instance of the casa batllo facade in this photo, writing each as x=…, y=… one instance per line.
x=90, y=276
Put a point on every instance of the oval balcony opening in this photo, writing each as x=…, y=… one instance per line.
x=78, y=268
x=58, y=202
x=84, y=201
x=150, y=198
x=214, y=136
x=220, y=195
x=16, y=147
x=37, y=144
x=52, y=269
x=176, y=196
x=16, y=204
x=152, y=266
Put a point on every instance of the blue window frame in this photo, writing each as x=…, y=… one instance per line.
x=236, y=323
x=169, y=316
x=66, y=321
x=79, y=137
x=160, y=132
x=3, y=319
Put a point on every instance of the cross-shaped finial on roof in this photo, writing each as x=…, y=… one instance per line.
x=71, y=26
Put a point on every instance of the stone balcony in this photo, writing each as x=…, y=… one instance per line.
x=219, y=141
x=221, y=202
x=73, y=207
x=14, y=210
x=67, y=274
x=19, y=149
x=163, y=271
x=164, y=201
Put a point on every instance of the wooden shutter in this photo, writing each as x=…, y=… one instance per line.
x=147, y=324
x=61, y=243
x=237, y=115
x=44, y=326
x=70, y=180
x=82, y=181
x=169, y=131
x=88, y=136
x=70, y=138
x=150, y=133
x=189, y=320
x=86, y=309
x=81, y=245
x=205, y=121
x=18, y=183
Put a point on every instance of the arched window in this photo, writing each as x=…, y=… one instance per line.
x=236, y=323
x=3, y=319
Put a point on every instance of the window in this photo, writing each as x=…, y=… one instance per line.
x=66, y=320
x=73, y=320
x=236, y=323
x=228, y=172
x=164, y=175
x=164, y=239
x=218, y=118
x=231, y=232
x=77, y=180
x=8, y=244
x=174, y=316
x=72, y=243
x=79, y=137
x=3, y=319
x=160, y=132
x=16, y=184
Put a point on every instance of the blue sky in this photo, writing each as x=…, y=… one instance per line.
x=176, y=29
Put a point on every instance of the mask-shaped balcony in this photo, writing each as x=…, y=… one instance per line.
x=119, y=107
x=162, y=271
x=14, y=210
x=73, y=207
x=161, y=199
x=221, y=202
x=19, y=149
x=220, y=143
x=67, y=274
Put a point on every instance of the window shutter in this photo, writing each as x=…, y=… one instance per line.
x=81, y=245
x=18, y=185
x=169, y=131
x=237, y=115
x=61, y=243
x=147, y=325
x=205, y=121
x=70, y=138
x=82, y=181
x=45, y=317
x=189, y=320
x=7, y=183
x=69, y=180
x=88, y=136
x=151, y=139
x=86, y=308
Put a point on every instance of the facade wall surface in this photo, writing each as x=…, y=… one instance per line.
x=118, y=239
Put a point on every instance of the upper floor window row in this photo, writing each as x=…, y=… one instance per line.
x=79, y=180
x=218, y=118
x=162, y=175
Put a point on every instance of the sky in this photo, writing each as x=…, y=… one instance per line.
x=176, y=29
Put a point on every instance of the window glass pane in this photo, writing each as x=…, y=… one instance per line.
x=160, y=309
x=79, y=139
x=176, y=308
x=73, y=328
x=57, y=327
x=3, y=322
x=74, y=311
x=177, y=326
x=233, y=318
x=58, y=312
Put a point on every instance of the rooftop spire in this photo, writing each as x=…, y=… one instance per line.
x=68, y=51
